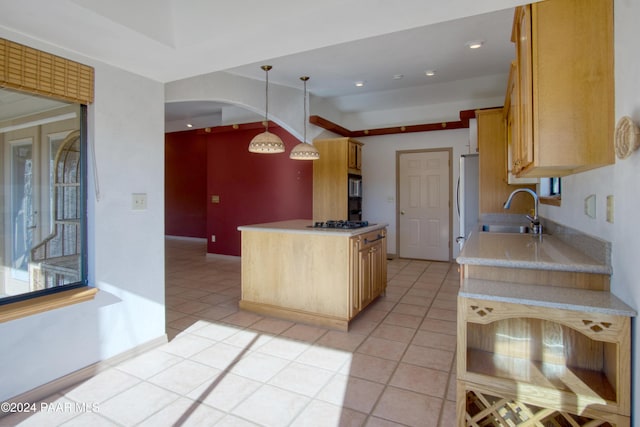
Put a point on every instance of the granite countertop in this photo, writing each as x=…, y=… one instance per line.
x=552, y=297
x=305, y=226
x=546, y=252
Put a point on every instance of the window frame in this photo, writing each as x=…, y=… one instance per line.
x=33, y=71
x=37, y=301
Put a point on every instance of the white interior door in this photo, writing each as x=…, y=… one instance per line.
x=424, y=205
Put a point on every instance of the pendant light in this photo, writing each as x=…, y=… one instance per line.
x=266, y=142
x=304, y=150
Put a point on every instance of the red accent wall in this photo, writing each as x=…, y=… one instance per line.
x=253, y=188
x=185, y=185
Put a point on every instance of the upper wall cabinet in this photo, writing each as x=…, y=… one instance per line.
x=512, y=128
x=355, y=157
x=565, y=87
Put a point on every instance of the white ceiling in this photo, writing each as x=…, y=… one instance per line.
x=335, y=42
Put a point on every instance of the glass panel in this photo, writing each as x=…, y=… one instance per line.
x=22, y=212
x=42, y=197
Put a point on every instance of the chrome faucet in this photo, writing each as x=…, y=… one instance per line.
x=536, y=227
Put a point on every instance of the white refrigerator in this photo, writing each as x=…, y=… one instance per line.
x=468, y=195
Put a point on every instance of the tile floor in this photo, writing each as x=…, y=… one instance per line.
x=226, y=367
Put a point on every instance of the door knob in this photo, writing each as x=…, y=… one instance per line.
x=401, y=212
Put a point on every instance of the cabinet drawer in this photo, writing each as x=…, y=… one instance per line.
x=370, y=239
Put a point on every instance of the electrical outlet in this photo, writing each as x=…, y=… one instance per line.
x=213, y=238
x=138, y=201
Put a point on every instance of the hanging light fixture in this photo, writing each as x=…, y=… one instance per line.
x=304, y=150
x=266, y=142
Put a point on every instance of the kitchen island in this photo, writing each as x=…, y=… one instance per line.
x=540, y=337
x=315, y=275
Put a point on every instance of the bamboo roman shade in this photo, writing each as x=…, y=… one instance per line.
x=32, y=70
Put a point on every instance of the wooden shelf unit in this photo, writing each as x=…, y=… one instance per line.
x=570, y=363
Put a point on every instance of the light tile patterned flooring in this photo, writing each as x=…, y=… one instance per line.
x=227, y=367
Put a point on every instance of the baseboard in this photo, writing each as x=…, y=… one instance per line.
x=39, y=393
x=186, y=238
x=222, y=256
x=333, y=322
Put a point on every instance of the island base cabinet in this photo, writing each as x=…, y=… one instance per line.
x=539, y=366
x=310, y=276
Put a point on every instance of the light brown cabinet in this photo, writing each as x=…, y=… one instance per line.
x=339, y=158
x=355, y=156
x=369, y=276
x=494, y=189
x=561, y=367
x=513, y=127
x=565, y=86
x=324, y=277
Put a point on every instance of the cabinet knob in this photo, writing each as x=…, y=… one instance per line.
x=401, y=212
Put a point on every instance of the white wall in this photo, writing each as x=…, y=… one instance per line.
x=285, y=103
x=418, y=105
x=621, y=180
x=126, y=248
x=379, y=174
x=436, y=113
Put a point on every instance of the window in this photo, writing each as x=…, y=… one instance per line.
x=43, y=229
x=550, y=190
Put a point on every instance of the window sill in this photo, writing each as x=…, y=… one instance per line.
x=551, y=200
x=45, y=303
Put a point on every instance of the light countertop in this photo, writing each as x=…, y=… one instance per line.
x=305, y=226
x=545, y=252
x=552, y=297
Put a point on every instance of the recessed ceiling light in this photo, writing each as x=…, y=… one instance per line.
x=397, y=76
x=475, y=44
x=359, y=84
x=430, y=73
x=189, y=125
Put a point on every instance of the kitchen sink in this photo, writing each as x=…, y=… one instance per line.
x=505, y=228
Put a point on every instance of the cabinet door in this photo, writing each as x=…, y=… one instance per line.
x=523, y=153
x=354, y=287
x=355, y=156
x=366, y=274
x=379, y=268
x=513, y=148
x=511, y=119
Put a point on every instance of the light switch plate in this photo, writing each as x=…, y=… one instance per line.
x=138, y=201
